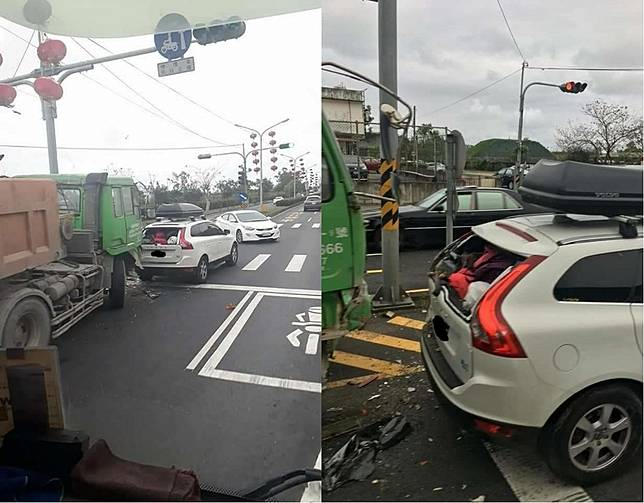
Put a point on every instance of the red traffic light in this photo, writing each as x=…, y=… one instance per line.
x=573, y=87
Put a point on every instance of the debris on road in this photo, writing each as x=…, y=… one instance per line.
x=394, y=431
x=230, y=307
x=355, y=460
x=411, y=389
x=479, y=498
x=373, y=397
x=152, y=294
x=437, y=489
x=335, y=409
x=390, y=314
x=361, y=383
x=423, y=462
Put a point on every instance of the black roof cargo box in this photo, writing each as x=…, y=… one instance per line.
x=590, y=189
x=179, y=210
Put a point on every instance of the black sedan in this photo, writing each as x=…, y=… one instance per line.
x=312, y=203
x=422, y=225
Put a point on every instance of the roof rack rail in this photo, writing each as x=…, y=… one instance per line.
x=628, y=225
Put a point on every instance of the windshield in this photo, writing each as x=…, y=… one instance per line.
x=253, y=216
x=431, y=200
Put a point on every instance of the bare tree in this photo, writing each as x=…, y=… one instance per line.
x=610, y=128
x=204, y=179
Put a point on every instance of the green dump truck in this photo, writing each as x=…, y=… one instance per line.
x=346, y=304
x=65, y=242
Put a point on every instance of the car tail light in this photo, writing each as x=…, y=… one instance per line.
x=493, y=428
x=185, y=244
x=490, y=331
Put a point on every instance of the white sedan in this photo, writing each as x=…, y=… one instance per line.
x=249, y=225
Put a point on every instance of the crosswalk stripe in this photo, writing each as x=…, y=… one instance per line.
x=385, y=340
x=407, y=322
x=316, y=225
x=255, y=264
x=296, y=263
x=296, y=226
x=372, y=364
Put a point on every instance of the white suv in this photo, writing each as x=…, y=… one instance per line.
x=187, y=245
x=554, y=343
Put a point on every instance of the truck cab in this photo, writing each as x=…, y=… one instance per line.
x=346, y=304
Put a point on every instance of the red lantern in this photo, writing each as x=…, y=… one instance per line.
x=256, y=170
x=256, y=161
x=254, y=144
x=51, y=51
x=274, y=168
x=253, y=136
x=273, y=159
x=272, y=142
x=7, y=94
x=48, y=89
x=271, y=133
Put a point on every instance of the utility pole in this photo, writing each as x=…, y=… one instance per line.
x=517, y=165
x=390, y=294
x=415, y=142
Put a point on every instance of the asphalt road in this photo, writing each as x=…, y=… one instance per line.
x=204, y=377
x=414, y=265
x=442, y=458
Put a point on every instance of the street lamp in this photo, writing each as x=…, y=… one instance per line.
x=244, y=155
x=566, y=87
x=261, y=158
x=293, y=161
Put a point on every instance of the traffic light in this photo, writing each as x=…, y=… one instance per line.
x=573, y=87
x=219, y=31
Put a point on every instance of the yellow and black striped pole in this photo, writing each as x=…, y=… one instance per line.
x=388, y=209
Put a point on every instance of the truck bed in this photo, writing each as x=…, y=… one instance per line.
x=29, y=225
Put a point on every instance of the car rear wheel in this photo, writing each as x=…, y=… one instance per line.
x=201, y=271
x=231, y=260
x=596, y=436
x=239, y=237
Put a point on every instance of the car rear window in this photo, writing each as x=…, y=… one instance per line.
x=607, y=277
x=161, y=235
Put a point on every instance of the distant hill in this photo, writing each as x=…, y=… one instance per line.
x=496, y=152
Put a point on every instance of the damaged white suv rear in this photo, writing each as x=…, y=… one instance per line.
x=537, y=322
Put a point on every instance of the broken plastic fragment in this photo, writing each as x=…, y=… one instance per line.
x=355, y=460
x=394, y=431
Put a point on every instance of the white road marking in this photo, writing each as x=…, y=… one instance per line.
x=310, y=218
x=222, y=349
x=296, y=226
x=255, y=264
x=296, y=263
x=312, y=344
x=275, y=382
x=202, y=352
x=313, y=491
x=316, y=225
x=292, y=338
x=266, y=290
x=530, y=478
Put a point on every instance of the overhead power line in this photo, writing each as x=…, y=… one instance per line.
x=127, y=149
x=577, y=68
x=510, y=30
x=187, y=98
x=176, y=122
x=476, y=92
x=15, y=72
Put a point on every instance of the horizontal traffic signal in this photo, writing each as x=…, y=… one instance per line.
x=219, y=31
x=573, y=87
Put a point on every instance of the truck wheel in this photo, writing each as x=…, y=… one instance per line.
x=28, y=325
x=116, y=298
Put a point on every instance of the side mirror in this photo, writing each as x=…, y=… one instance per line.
x=226, y=231
x=440, y=208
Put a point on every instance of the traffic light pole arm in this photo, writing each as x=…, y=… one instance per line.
x=516, y=175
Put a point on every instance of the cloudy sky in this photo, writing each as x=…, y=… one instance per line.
x=269, y=74
x=447, y=50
